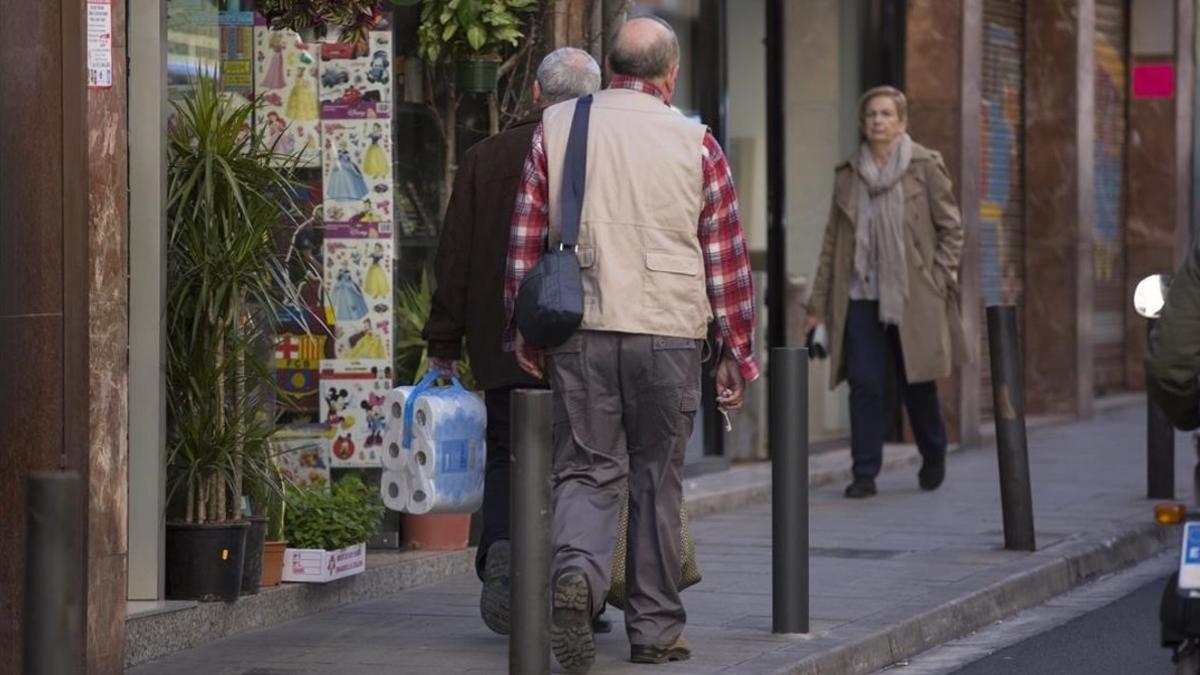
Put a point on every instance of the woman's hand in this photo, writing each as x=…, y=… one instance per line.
x=811, y=323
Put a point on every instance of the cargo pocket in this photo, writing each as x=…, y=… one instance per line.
x=676, y=362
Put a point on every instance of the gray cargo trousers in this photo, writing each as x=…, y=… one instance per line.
x=623, y=407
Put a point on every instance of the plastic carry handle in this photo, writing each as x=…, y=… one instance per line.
x=410, y=405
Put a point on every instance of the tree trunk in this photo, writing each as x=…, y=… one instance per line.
x=239, y=403
x=493, y=114
x=191, y=503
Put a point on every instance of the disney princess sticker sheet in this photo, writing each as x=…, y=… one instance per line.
x=357, y=163
x=353, y=406
x=356, y=78
x=358, y=296
x=285, y=76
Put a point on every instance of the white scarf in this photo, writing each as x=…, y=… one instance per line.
x=879, y=246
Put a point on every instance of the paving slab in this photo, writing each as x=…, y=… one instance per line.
x=890, y=576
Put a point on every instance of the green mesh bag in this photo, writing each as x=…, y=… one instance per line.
x=687, y=555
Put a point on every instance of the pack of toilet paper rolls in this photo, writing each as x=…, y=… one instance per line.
x=442, y=469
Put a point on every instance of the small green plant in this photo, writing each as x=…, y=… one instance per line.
x=276, y=507
x=455, y=29
x=412, y=306
x=355, y=17
x=333, y=517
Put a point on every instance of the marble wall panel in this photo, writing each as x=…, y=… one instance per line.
x=107, y=273
x=1058, y=197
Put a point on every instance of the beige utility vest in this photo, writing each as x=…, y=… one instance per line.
x=639, y=247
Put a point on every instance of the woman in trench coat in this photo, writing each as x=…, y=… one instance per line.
x=887, y=287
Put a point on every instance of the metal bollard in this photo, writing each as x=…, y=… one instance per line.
x=788, y=439
x=529, y=643
x=1008, y=395
x=54, y=574
x=1160, y=448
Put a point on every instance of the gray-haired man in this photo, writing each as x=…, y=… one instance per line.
x=469, y=302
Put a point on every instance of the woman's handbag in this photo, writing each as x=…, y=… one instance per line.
x=690, y=575
x=549, y=306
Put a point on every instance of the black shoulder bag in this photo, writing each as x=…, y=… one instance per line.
x=549, y=306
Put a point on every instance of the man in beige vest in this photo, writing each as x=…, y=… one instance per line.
x=662, y=255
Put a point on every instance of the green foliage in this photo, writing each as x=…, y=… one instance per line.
x=276, y=506
x=456, y=29
x=412, y=305
x=356, y=17
x=225, y=198
x=334, y=517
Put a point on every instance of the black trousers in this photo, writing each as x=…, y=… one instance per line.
x=873, y=354
x=496, y=479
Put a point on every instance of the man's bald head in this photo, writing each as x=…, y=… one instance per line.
x=645, y=48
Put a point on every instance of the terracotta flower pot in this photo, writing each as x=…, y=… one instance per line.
x=437, y=531
x=272, y=562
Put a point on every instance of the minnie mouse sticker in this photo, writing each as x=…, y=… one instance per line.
x=285, y=75
x=353, y=396
x=358, y=295
x=358, y=179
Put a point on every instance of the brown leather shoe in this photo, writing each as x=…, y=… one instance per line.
x=679, y=650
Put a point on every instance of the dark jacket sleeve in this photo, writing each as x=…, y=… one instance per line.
x=452, y=268
x=1173, y=352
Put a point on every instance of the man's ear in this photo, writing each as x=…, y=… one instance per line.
x=537, y=92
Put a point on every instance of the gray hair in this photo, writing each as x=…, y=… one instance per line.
x=646, y=61
x=567, y=73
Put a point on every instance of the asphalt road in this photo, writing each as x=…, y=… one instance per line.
x=1118, y=639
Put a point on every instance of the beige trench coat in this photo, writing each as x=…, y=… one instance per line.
x=931, y=332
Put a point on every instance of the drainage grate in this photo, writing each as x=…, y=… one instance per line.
x=855, y=553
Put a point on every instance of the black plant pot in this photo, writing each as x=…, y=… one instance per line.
x=256, y=535
x=204, y=562
x=478, y=76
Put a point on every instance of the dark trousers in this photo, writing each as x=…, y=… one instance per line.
x=873, y=354
x=495, y=509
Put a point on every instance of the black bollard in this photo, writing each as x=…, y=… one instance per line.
x=788, y=440
x=529, y=643
x=1008, y=396
x=1160, y=449
x=54, y=574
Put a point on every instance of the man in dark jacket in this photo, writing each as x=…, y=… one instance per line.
x=469, y=300
x=1173, y=352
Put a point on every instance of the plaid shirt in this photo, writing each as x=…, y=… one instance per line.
x=727, y=266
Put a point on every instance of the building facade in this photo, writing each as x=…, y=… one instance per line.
x=1067, y=126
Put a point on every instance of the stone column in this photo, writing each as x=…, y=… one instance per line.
x=1059, y=53
x=105, y=408
x=942, y=70
x=1159, y=164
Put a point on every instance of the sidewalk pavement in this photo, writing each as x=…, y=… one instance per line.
x=890, y=576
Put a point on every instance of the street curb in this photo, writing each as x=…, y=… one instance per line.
x=1067, y=565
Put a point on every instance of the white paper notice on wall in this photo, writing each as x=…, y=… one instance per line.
x=99, y=44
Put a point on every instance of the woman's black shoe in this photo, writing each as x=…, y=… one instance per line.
x=861, y=488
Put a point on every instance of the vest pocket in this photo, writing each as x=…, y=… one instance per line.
x=672, y=264
x=674, y=286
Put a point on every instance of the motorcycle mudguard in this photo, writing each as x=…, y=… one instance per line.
x=1178, y=616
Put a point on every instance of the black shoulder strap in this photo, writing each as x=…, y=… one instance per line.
x=574, y=172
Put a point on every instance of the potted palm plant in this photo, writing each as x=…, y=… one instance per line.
x=227, y=195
